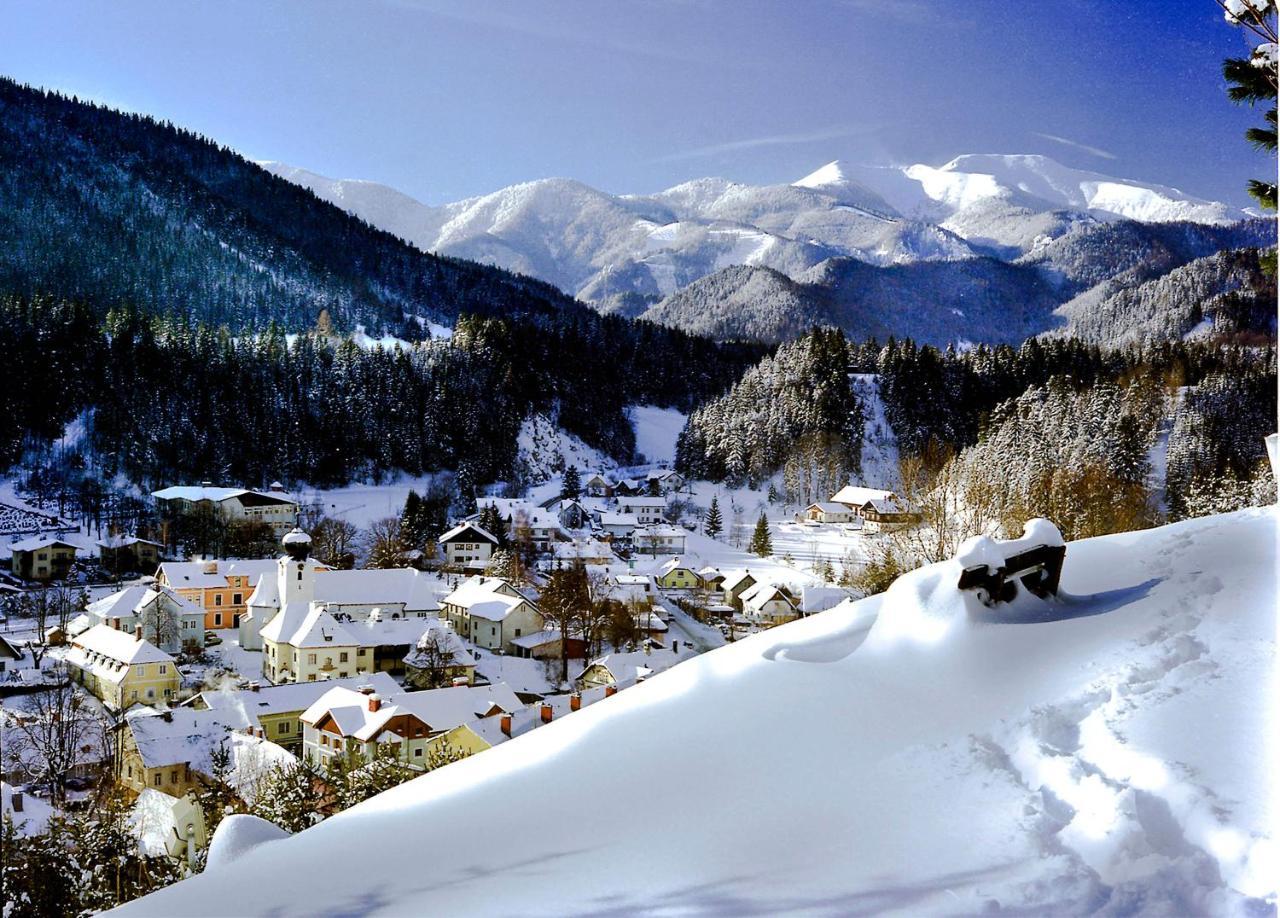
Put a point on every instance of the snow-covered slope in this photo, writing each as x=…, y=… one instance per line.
x=1110, y=752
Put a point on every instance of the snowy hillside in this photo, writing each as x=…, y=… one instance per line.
x=597, y=245
x=1109, y=752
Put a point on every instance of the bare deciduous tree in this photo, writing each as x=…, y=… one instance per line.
x=53, y=732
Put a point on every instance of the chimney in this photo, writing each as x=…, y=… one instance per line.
x=374, y=702
x=211, y=567
x=505, y=723
x=575, y=702
x=365, y=690
x=546, y=712
x=610, y=690
x=16, y=801
x=255, y=686
x=167, y=715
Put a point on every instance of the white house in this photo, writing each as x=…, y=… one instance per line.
x=854, y=496
x=659, y=540
x=468, y=545
x=491, y=613
x=766, y=604
x=168, y=620
x=646, y=510
x=829, y=511
x=598, y=484
x=619, y=525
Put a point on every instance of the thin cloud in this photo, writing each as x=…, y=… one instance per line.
x=771, y=140
x=1095, y=151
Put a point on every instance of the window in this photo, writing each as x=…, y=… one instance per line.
x=311, y=658
x=173, y=776
x=493, y=630
x=282, y=727
x=166, y=693
x=128, y=771
x=164, y=668
x=342, y=657
x=217, y=618
x=217, y=599
x=151, y=693
x=517, y=632
x=237, y=598
x=159, y=777
x=417, y=753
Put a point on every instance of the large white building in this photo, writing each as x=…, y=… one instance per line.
x=275, y=508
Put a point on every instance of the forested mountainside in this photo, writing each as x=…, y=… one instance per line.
x=937, y=302
x=975, y=299
x=115, y=223
x=1226, y=293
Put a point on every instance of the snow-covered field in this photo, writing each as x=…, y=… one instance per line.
x=656, y=432
x=1110, y=752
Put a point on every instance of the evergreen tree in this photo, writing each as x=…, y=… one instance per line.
x=1253, y=80
x=714, y=525
x=571, y=488
x=761, y=543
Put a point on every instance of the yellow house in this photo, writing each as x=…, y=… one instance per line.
x=676, y=575
x=41, y=558
x=123, y=670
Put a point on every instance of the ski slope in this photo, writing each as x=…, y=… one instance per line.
x=1108, y=752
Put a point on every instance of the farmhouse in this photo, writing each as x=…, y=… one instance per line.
x=129, y=553
x=853, y=496
x=887, y=515
x=829, y=512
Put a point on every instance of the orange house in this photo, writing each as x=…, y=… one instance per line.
x=221, y=588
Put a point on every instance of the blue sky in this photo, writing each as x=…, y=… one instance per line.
x=449, y=99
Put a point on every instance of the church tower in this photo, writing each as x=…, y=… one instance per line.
x=296, y=572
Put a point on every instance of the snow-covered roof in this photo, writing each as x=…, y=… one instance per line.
x=760, y=593
x=446, y=640
x=828, y=506
x=186, y=735
x=654, y=503
x=626, y=668
x=619, y=519
x=659, y=532
x=184, y=574
x=440, y=709
x=589, y=548
x=135, y=599
x=120, y=646
x=479, y=588
x=35, y=815
x=195, y=493
x=855, y=495
x=734, y=579
x=674, y=564
x=537, y=639
x=37, y=542
x=475, y=533
x=309, y=625
x=248, y=705
x=125, y=542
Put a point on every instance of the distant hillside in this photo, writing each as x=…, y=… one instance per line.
x=119, y=209
x=971, y=299
x=1224, y=293
x=977, y=299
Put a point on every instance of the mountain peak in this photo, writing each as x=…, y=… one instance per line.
x=835, y=172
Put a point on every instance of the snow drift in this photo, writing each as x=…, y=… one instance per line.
x=1105, y=752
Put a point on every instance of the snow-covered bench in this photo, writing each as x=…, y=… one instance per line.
x=994, y=569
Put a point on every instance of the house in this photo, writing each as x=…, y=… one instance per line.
x=630, y=487
x=664, y=481
x=541, y=525
x=821, y=598
x=583, y=551
x=734, y=584
x=887, y=515
x=479, y=735
x=675, y=574
x=166, y=619
x=647, y=510
x=129, y=553
x=766, y=604
x=12, y=657
x=29, y=814
x=41, y=558
x=632, y=589
x=711, y=578
x=439, y=657
x=468, y=546
x=598, y=484
x=829, y=512
x=546, y=645
x=659, y=540
x=122, y=669
x=651, y=626
x=357, y=723
x=221, y=588
x=176, y=751
x=275, y=508
x=571, y=513
x=618, y=525
x=491, y=613
x=853, y=496
x=274, y=712
x=624, y=669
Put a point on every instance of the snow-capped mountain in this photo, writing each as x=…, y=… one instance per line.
x=1103, y=752
x=597, y=245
